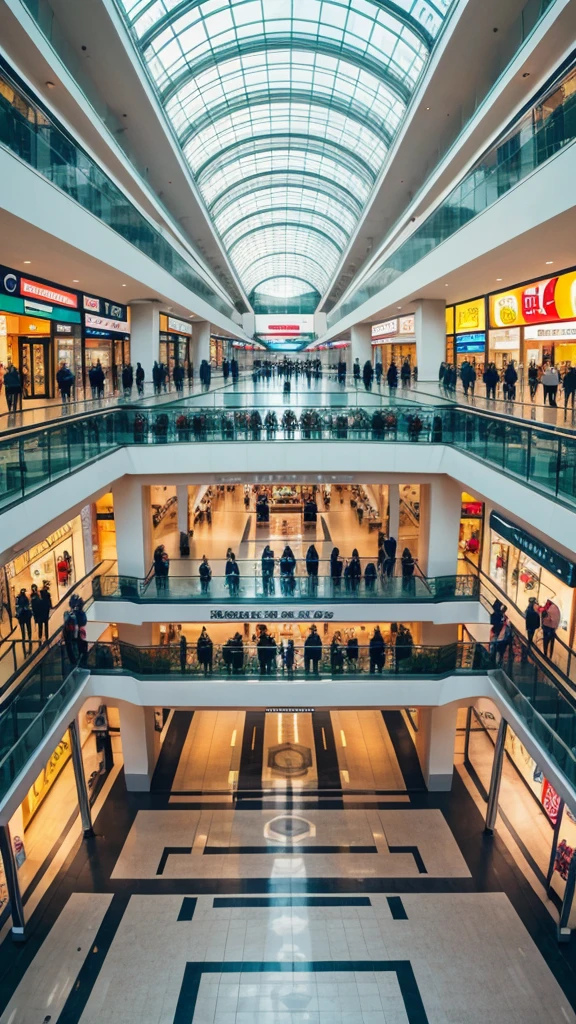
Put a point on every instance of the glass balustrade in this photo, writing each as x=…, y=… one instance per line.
x=539, y=134
x=543, y=457
x=250, y=585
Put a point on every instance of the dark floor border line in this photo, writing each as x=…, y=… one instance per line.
x=187, y=909
x=291, y=805
x=417, y=884
x=88, y=974
x=247, y=902
x=397, y=908
x=270, y=794
x=404, y=749
x=171, y=751
x=168, y=851
x=291, y=849
x=325, y=748
x=252, y=750
x=415, y=852
x=193, y=972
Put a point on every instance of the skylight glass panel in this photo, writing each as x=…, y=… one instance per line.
x=285, y=111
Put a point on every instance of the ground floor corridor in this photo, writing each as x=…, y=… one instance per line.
x=288, y=867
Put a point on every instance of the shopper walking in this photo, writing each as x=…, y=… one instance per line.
x=356, y=372
x=533, y=380
x=268, y=562
x=408, y=567
x=232, y=575
x=390, y=553
x=38, y=612
x=24, y=616
x=205, y=574
x=65, y=381
x=510, y=379
x=161, y=568
x=490, y=379
x=392, y=376
x=336, y=567
x=367, y=375
x=405, y=374
x=551, y=617
x=287, y=570
x=550, y=382
x=312, y=566
x=13, y=385
x=532, y=620
x=140, y=379
x=127, y=380
x=569, y=387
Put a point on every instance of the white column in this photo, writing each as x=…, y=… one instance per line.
x=200, y=344
x=394, y=511
x=435, y=742
x=140, y=745
x=361, y=344
x=182, y=496
x=132, y=518
x=430, y=331
x=440, y=511
x=144, y=335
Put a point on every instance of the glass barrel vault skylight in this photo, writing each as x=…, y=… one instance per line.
x=285, y=110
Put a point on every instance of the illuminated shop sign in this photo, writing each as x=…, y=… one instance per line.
x=449, y=319
x=180, y=326
x=219, y=613
x=284, y=326
x=109, y=309
x=505, y=340
x=49, y=292
x=470, y=343
x=541, y=553
x=406, y=325
x=539, y=302
x=384, y=329
x=102, y=323
x=552, y=332
x=470, y=316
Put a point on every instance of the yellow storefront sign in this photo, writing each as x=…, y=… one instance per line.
x=470, y=316
x=449, y=319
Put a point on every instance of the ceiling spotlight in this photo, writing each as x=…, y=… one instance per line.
x=75, y=280
x=427, y=108
x=27, y=261
x=445, y=285
x=498, y=278
x=526, y=74
x=124, y=286
x=49, y=85
x=548, y=262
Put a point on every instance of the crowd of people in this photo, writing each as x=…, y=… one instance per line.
x=339, y=656
x=509, y=378
x=546, y=617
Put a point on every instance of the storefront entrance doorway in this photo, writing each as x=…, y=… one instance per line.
x=34, y=360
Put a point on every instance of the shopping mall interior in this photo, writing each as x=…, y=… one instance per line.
x=287, y=512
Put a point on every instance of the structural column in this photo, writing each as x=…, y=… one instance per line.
x=440, y=512
x=361, y=343
x=80, y=779
x=182, y=499
x=200, y=344
x=430, y=331
x=394, y=512
x=132, y=518
x=140, y=745
x=12, y=884
x=435, y=741
x=496, y=777
x=144, y=335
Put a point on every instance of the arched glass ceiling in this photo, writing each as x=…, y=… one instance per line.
x=285, y=110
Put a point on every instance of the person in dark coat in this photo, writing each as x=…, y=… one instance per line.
x=390, y=553
x=354, y=568
x=156, y=378
x=41, y=607
x=312, y=651
x=404, y=644
x=225, y=369
x=336, y=567
x=287, y=569
x=65, y=381
x=204, y=651
x=205, y=574
x=312, y=564
x=408, y=567
x=24, y=616
x=127, y=380
x=183, y=645
x=161, y=568
x=268, y=571
x=356, y=372
x=336, y=654
x=378, y=371
x=490, y=379
x=205, y=374
x=569, y=386
x=510, y=379
x=140, y=379
x=392, y=376
x=234, y=369
x=232, y=572
x=13, y=386
x=405, y=374
x=532, y=620
x=377, y=650
x=367, y=375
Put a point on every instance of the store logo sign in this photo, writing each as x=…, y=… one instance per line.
x=105, y=324
x=92, y=303
x=384, y=329
x=273, y=614
x=48, y=292
x=180, y=326
x=10, y=283
x=541, y=553
x=406, y=325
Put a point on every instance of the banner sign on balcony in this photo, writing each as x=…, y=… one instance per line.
x=274, y=614
x=536, y=549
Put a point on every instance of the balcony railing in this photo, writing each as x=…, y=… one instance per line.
x=543, y=457
x=251, y=586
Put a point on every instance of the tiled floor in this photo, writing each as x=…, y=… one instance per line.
x=206, y=903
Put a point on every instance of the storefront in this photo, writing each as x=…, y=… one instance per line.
x=59, y=560
x=394, y=341
x=539, y=320
x=550, y=836
x=523, y=567
x=504, y=346
x=175, y=337
x=106, y=336
x=471, y=529
x=37, y=318
x=217, y=351
x=469, y=324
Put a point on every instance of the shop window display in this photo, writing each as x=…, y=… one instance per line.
x=521, y=578
x=59, y=560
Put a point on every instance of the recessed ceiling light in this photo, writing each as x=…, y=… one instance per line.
x=498, y=278
x=49, y=85
x=445, y=285
x=427, y=108
x=75, y=280
x=123, y=285
x=548, y=262
x=399, y=307
x=27, y=261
